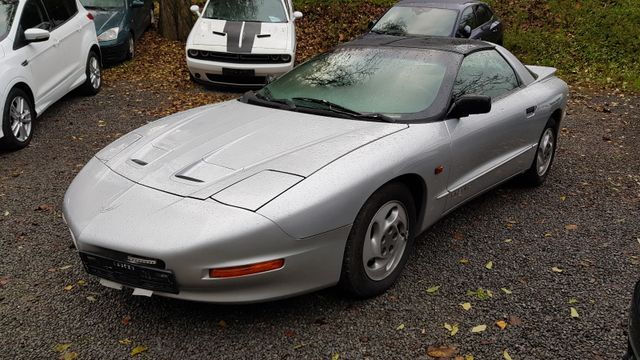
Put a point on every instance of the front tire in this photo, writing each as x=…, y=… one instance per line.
x=545, y=153
x=17, y=120
x=131, y=50
x=93, y=84
x=379, y=243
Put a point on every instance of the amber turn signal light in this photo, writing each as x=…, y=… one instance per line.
x=243, y=270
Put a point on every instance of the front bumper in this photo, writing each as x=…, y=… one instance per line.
x=634, y=324
x=211, y=72
x=108, y=215
x=114, y=52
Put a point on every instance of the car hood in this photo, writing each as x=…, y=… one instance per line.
x=107, y=19
x=203, y=151
x=226, y=36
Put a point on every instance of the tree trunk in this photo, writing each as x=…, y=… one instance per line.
x=176, y=19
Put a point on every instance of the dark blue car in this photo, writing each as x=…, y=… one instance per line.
x=119, y=24
x=452, y=18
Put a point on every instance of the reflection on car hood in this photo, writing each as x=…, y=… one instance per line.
x=226, y=36
x=202, y=151
x=107, y=19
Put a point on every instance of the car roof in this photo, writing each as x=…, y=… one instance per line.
x=444, y=4
x=459, y=46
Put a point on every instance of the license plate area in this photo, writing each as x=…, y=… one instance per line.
x=238, y=72
x=128, y=274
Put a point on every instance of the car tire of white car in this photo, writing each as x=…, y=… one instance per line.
x=17, y=120
x=380, y=242
x=545, y=153
x=93, y=83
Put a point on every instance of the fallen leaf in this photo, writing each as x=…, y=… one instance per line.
x=61, y=347
x=466, y=306
x=289, y=333
x=138, y=350
x=563, y=198
x=548, y=234
x=574, y=313
x=126, y=320
x=479, y=328
x=400, y=327
x=91, y=298
x=453, y=329
x=501, y=324
x=441, y=352
x=572, y=301
x=489, y=265
x=125, y=341
x=335, y=356
x=81, y=282
x=6, y=213
x=506, y=291
x=44, y=207
x=463, y=261
x=458, y=236
x=68, y=287
x=557, y=269
x=222, y=323
x=571, y=227
x=481, y=294
x=506, y=355
x=4, y=280
x=508, y=240
x=433, y=290
x=69, y=356
x=64, y=267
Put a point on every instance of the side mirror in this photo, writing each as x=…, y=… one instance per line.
x=36, y=35
x=494, y=26
x=469, y=105
x=137, y=4
x=371, y=24
x=195, y=9
x=466, y=31
x=297, y=15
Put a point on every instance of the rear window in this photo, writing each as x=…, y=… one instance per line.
x=60, y=11
x=426, y=21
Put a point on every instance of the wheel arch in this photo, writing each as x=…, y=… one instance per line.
x=95, y=48
x=418, y=188
x=24, y=87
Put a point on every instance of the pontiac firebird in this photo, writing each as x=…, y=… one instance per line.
x=323, y=177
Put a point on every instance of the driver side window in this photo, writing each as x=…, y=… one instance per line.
x=485, y=73
x=468, y=18
x=34, y=16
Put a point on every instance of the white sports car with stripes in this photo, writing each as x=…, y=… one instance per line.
x=244, y=43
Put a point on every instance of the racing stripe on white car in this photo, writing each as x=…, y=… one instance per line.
x=240, y=35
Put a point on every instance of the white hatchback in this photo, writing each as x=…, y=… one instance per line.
x=242, y=43
x=47, y=49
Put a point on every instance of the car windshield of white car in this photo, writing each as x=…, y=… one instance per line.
x=7, y=12
x=250, y=10
x=103, y=4
x=402, y=83
x=402, y=20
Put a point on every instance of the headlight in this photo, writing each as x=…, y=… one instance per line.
x=109, y=35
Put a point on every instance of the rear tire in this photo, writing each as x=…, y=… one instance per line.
x=379, y=243
x=93, y=84
x=17, y=120
x=545, y=153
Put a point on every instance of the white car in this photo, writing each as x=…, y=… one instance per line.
x=242, y=43
x=47, y=49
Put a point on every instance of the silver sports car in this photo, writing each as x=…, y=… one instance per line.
x=323, y=177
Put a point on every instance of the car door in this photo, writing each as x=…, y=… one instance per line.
x=485, y=29
x=42, y=58
x=487, y=148
x=67, y=28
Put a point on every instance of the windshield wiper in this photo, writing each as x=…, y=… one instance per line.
x=346, y=111
x=260, y=99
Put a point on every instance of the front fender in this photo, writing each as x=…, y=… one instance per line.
x=332, y=197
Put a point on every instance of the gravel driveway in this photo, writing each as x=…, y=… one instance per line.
x=584, y=223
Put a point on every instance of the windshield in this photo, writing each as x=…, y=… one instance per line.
x=7, y=12
x=246, y=10
x=403, y=20
x=103, y=4
x=389, y=81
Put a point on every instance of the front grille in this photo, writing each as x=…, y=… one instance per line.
x=239, y=58
x=129, y=274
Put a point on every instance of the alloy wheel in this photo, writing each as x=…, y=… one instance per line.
x=21, y=117
x=545, y=151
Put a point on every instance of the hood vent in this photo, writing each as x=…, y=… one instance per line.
x=139, y=162
x=189, y=178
